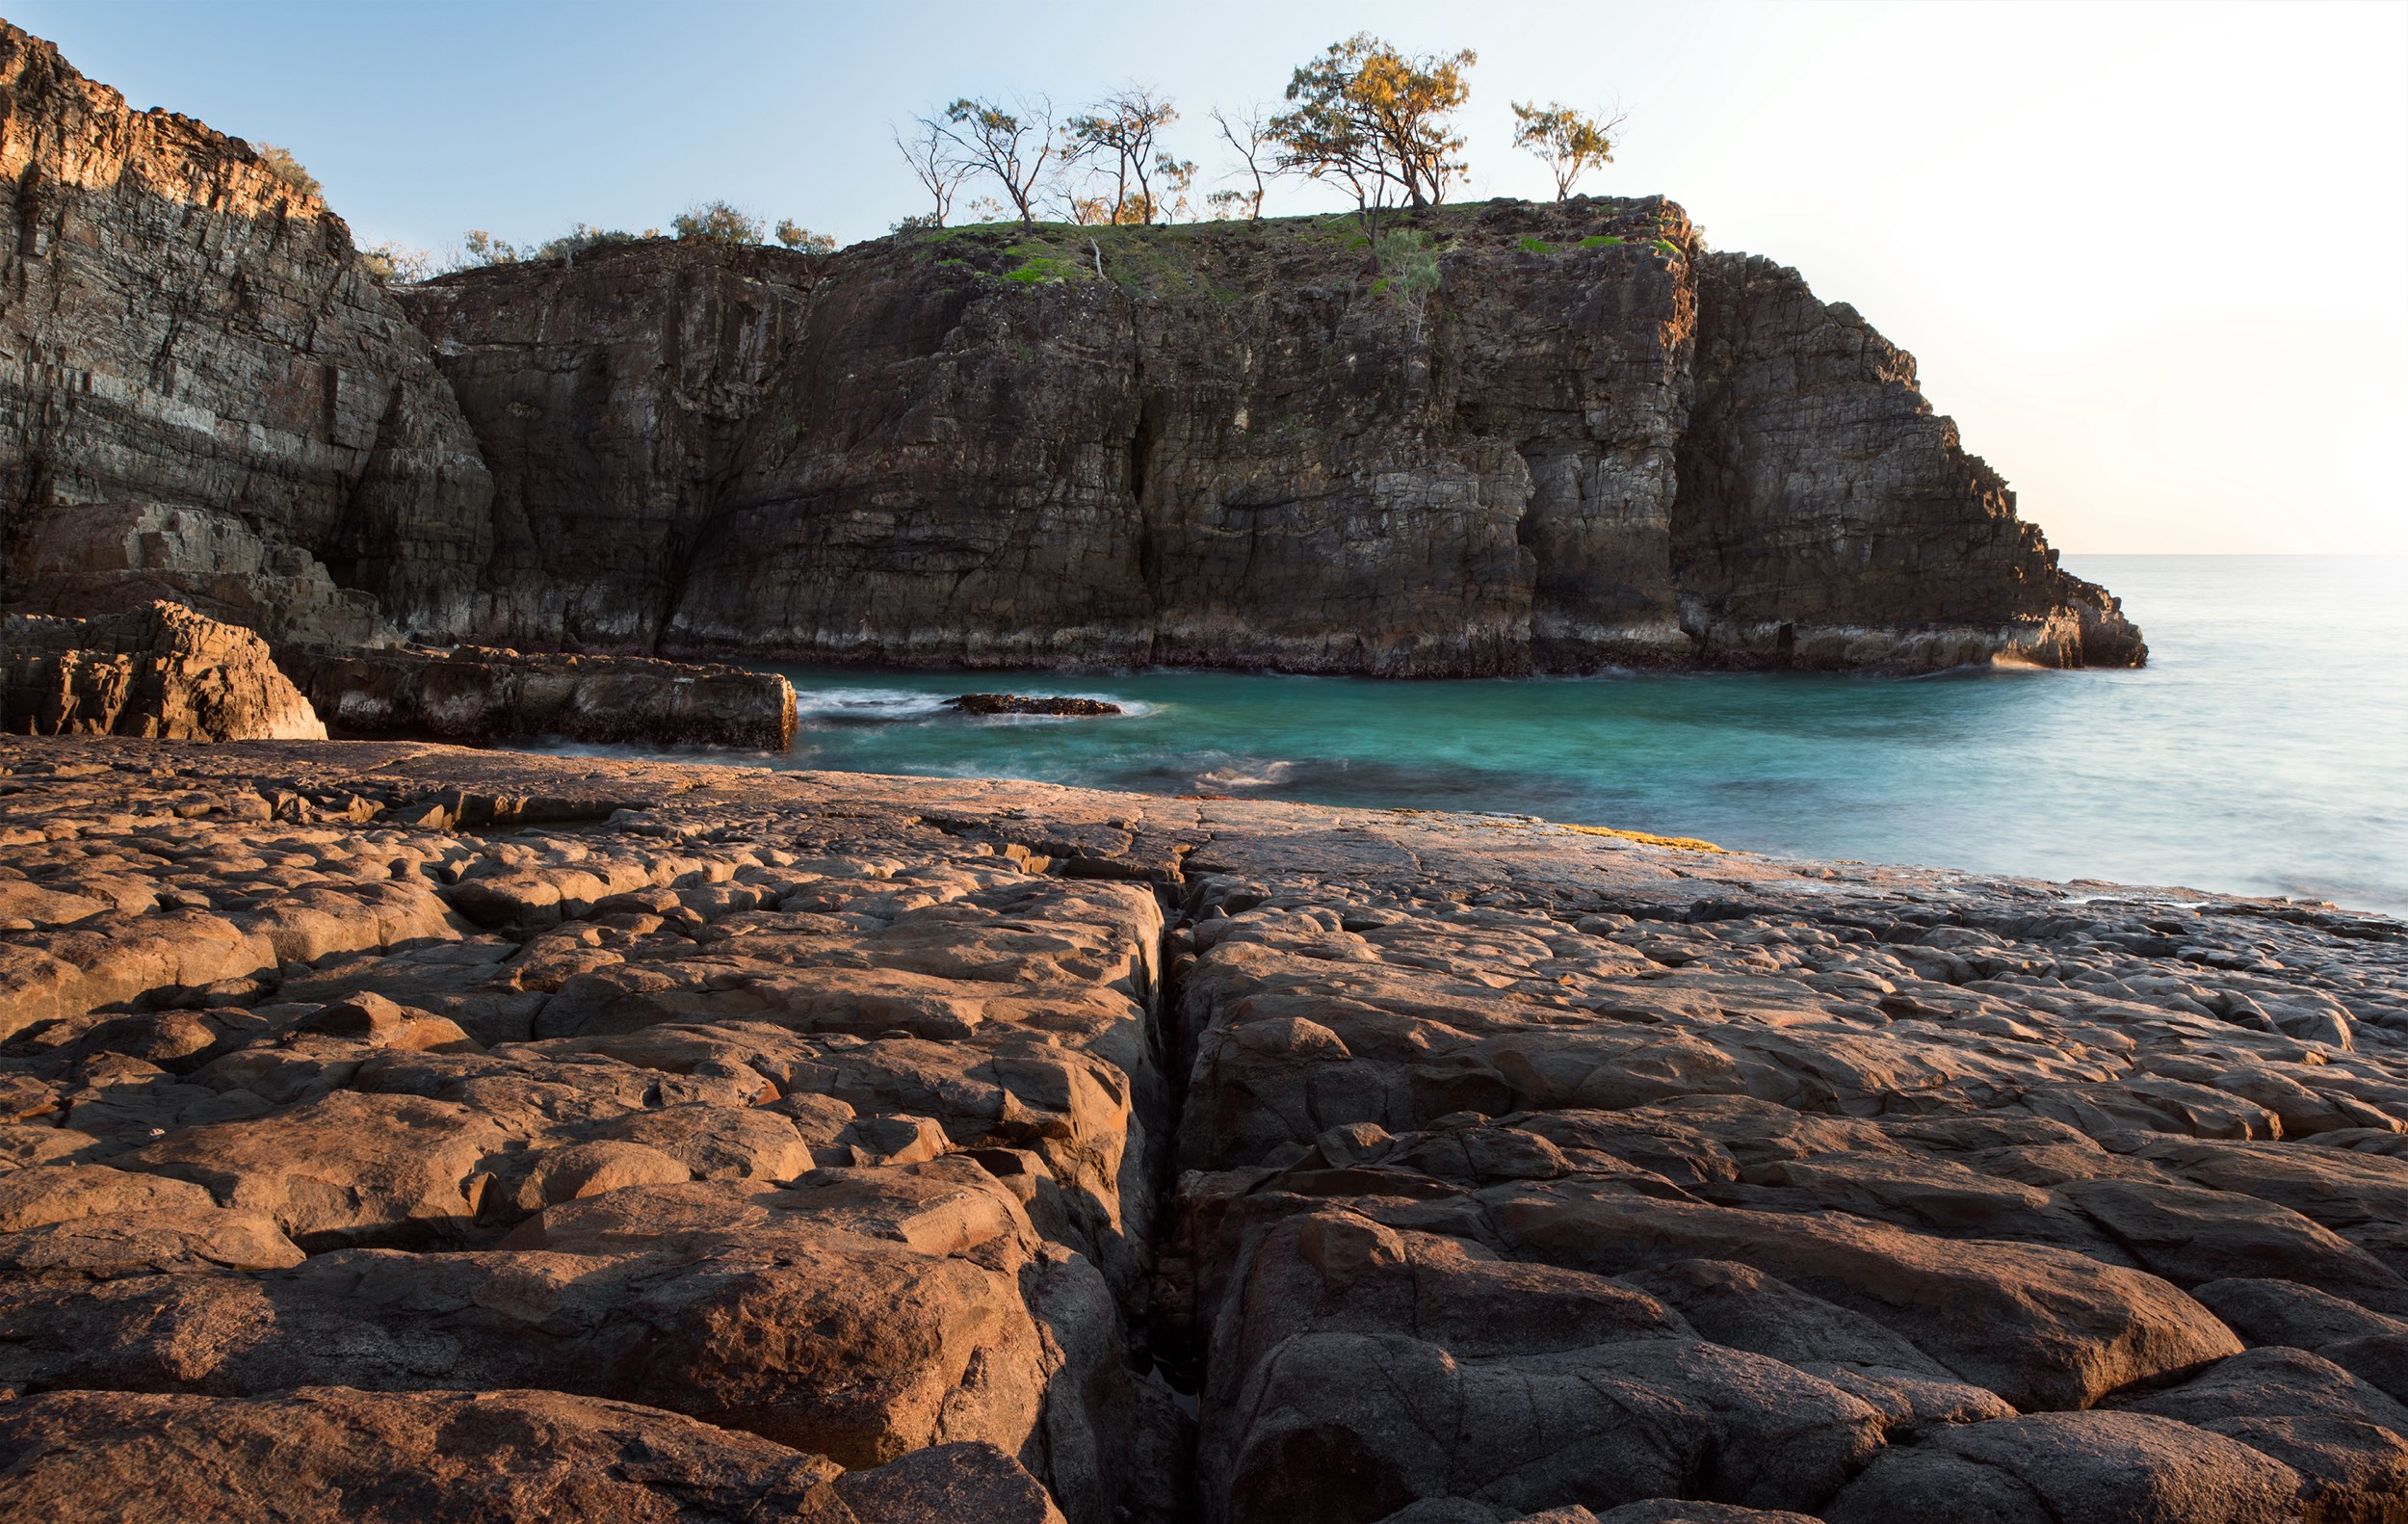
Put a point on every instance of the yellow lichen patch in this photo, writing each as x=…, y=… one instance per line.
x=1679, y=842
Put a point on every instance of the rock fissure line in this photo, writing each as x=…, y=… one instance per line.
x=953, y=1131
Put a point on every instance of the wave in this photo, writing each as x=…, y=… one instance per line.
x=877, y=706
x=1247, y=775
x=865, y=706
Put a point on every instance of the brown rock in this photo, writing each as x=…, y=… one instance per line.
x=2054, y=1467
x=161, y=672
x=326, y=1454
x=298, y=390
x=476, y=694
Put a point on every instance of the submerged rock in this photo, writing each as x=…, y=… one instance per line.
x=1026, y=704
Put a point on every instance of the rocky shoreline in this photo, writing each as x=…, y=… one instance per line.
x=553, y=1135
x=1217, y=444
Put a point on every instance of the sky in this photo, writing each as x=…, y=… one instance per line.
x=2152, y=257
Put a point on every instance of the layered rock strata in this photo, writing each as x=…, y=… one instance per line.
x=838, y=1139
x=1595, y=443
x=161, y=670
x=185, y=328
x=477, y=694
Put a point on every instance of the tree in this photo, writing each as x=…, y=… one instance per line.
x=1408, y=263
x=1012, y=147
x=579, y=237
x=1376, y=122
x=1249, y=133
x=280, y=163
x=794, y=235
x=1121, y=130
x=717, y=222
x=1175, y=177
x=391, y=262
x=1569, y=143
x=477, y=246
x=936, y=161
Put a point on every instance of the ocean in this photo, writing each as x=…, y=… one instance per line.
x=2264, y=750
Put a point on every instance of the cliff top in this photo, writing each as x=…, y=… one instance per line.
x=49, y=110
x=1175, y=258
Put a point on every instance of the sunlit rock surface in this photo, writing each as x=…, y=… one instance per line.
x=844, y=1140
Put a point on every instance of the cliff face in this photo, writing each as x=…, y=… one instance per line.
x=1230, y=447
x=1826, y=515
x=1592, y=444
x=608, y=398
x=1584, y=441
x=183, y=331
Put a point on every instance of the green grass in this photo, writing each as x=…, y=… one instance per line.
x=1218, y=261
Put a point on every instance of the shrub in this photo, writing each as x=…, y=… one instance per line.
x=1410, y=264
x=477, y=247
x=794, y=235
x=576, y=241
x=391, y=262
x=280, y=163
x=716, y=221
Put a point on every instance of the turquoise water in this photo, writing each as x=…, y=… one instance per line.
x=2264, y=749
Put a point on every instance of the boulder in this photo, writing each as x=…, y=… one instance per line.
x=162, y=672
x=478, y=693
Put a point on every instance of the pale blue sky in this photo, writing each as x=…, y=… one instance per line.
x=2153, y=258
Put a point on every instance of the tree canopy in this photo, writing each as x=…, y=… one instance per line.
x=1569, y=143
x=1376, y=122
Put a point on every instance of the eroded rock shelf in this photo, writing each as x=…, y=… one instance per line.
x=519, y=1136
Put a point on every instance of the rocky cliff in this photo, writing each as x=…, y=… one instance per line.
x=184, y=332
x=1593, y=442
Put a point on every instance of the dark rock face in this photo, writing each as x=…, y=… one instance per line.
x=476, y=694
x=1207, y=444
x=1596, y=444
x=1025, y=704
x=610, y=395
x=1826, y=518
x=183, y=329
x=161, y=672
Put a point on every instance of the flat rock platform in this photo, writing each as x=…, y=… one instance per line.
x=401, y=1132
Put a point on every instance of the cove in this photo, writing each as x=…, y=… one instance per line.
x=2264, y=749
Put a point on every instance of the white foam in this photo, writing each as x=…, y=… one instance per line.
x=1267, y=774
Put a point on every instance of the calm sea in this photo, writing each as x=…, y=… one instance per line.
x=2263, y=751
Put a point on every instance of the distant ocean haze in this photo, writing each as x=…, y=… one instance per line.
x=2264, y=749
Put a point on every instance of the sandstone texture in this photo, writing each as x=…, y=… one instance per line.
x=1597, y=443
x=477, y=694
x=162, y=672
x=519, y=1136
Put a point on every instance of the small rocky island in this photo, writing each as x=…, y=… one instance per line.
x=1601, y=444
x=1030, y=704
